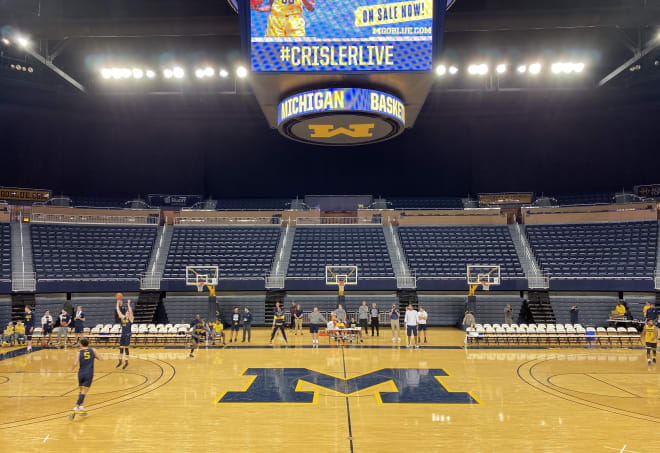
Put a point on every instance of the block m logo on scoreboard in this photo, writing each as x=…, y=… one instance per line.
x=353, y=130
x=302, y=385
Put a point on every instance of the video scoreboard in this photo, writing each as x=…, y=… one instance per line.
x=341, y=35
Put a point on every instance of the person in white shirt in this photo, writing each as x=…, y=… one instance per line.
x=47, y=326
x=411, y=325
x=422, y=316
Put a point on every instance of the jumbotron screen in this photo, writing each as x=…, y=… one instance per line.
x=341, y=35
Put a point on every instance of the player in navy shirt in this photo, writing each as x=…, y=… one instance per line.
x=78, y=323
x=85, y=361
x=29, y=327
x=126, y=321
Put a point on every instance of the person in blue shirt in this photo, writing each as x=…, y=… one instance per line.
x=575, y=313
x=126, y=321
x=299, y=320
x=85, y=361
x=395, y=323
x=652, y=313
x=29, y=327
x=78, y=323
x=247, y=324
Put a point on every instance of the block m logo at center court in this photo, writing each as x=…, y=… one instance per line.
x=287, y=385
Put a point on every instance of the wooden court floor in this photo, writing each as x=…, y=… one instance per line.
x=373, y=398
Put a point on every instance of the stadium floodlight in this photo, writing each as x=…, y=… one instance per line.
x=178, y=72
x=168, y=74
x=116, y=73
x=126, y=73
x=22, y=41
x=208, y=72
x=472, y=69
x=223, y=73
x=441, y=70
x=106, y=73
x=150, y=74
x=482, y=69
x=578, y=67
x=522, y=69
x=453, y=70
x=558, y=67
x=6, y=42
x=241, y=72
x=535, y=68
x=138, y=73
x=501, y=68
x=199, y=73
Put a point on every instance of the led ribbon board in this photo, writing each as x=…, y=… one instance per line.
x=341, y=35
x=341, y=116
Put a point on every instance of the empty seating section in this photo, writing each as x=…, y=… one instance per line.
x=596, y=250
x=446, y=251
x=247, y=204
x=585, y=198
x=315, y=247
x=5, y=311
x=83, y=252
x=426, y=203
x=239, y=252
x=5, y=251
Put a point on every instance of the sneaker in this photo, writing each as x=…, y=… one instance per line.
x=118, y=365
x=393, y=339
x=653, y=359
x=649, y=361
x=416, y=346
x=125, y=365
x=72, y=415
x=83, y=412
x=399, y=340
x=408, y=346
x=424, y=340
x=191, y=355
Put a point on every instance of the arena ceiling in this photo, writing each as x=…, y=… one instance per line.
x=607, y=113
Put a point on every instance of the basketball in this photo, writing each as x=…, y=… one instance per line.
x=118, y=296
x=256, y=3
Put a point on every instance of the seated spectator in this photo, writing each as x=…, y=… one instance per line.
x=620, y=309
x=8, y=334
x=19, y=332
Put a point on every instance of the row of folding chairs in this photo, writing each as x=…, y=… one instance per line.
x=552, y=334
x=144, y=334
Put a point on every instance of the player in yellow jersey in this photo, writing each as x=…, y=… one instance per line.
x=650, y=339
x=286, y=17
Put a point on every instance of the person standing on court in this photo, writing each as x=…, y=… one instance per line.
x=247, y=324
x=508, y=315
x=422, y=318
x=46, y=326
x=363, y=318
x=85, y=360
x=78, y=323
x=292, y=312
x=63, y=330
x=235, y=325
x=29, y=327
x=340, y=313
x=278, y=324
x=299, y=319
x=395, y=323
x=411, y=326
x=575, y=314
x=652, y=313
x=315, y=321
x=374, y=320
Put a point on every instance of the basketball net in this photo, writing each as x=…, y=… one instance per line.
x=200, y=284
x=341, y=284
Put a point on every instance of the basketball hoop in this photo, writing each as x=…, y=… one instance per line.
x=200, y=283
x=485, y=285
x=341, y=284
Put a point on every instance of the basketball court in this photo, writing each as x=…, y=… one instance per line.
x=261, y=397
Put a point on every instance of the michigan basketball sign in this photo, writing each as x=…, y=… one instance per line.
x=341, y=116
x=302, y=385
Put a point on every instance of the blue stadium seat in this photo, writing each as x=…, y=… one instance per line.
x=426, y=203
x=73, y=252
x=446, y=251
x=316, y=247
x=237, y=251
x=622, y=249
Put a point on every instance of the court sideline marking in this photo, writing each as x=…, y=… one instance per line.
x=348, y=408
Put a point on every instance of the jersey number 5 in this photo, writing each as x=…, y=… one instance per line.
x=87, y=355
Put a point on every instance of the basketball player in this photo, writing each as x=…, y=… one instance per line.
x=650, y=339
x=120, y=303
x=78, y=323
x=47, y=326
x=411, y=326
x=422, y=317
x=195, y=334
x=278, y=324
x=84, y=359
x=286, y=16
x=29, y=327
x=126, y=321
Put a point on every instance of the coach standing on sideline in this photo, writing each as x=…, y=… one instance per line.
x=374, y=320
x=363, y=318
x=395, y=323
x=247, y=324
x=292, y=311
